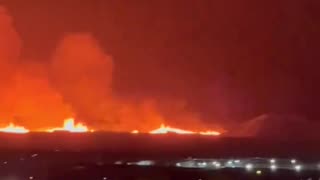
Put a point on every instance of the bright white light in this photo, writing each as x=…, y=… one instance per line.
x=145, y=163
x=273, y=167
x=104, y=178
x=178, y=164
x=237, y=161
x=272, y=161
x=202, y=164
x=229, y=162
x=217, y=165
x=293, y=161
x=31, y=177
x=297, y=167
x=258, y=172
x=249, y=166
x=214, y=162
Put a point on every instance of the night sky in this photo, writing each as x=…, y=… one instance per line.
x=230, y=60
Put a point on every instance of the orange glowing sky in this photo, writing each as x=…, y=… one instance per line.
x=120, y=66
x=76, y=81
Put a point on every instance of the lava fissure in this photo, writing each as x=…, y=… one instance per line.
x=69, y=125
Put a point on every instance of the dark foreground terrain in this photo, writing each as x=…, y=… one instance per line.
x=106, y=156
x=163, y=146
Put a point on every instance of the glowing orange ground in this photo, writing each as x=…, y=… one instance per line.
x=70, y=126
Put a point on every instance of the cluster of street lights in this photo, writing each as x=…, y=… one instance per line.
x=248, y=164
x=257, y=165
x=273, y=166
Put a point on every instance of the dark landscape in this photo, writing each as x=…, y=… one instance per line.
x=158, y=146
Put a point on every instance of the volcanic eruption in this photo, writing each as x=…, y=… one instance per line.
x=37, y=95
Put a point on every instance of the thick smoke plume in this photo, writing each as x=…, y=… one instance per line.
x=26, y=95
x=77, y=81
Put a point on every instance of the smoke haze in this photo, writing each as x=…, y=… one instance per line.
x=77, y=82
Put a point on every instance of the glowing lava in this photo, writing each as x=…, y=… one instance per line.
x=210, y=133
x=70, y=126
x=135, y=132
x=11, y=128
x=167, y=129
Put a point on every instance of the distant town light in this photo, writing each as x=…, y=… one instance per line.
x=202, y=164
x=273, y=167
x=258, y=172
x=297, y=167
x=249, y=166
x=293, y=161
x=145, y=163
x=218, y=165
x=272, y=161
